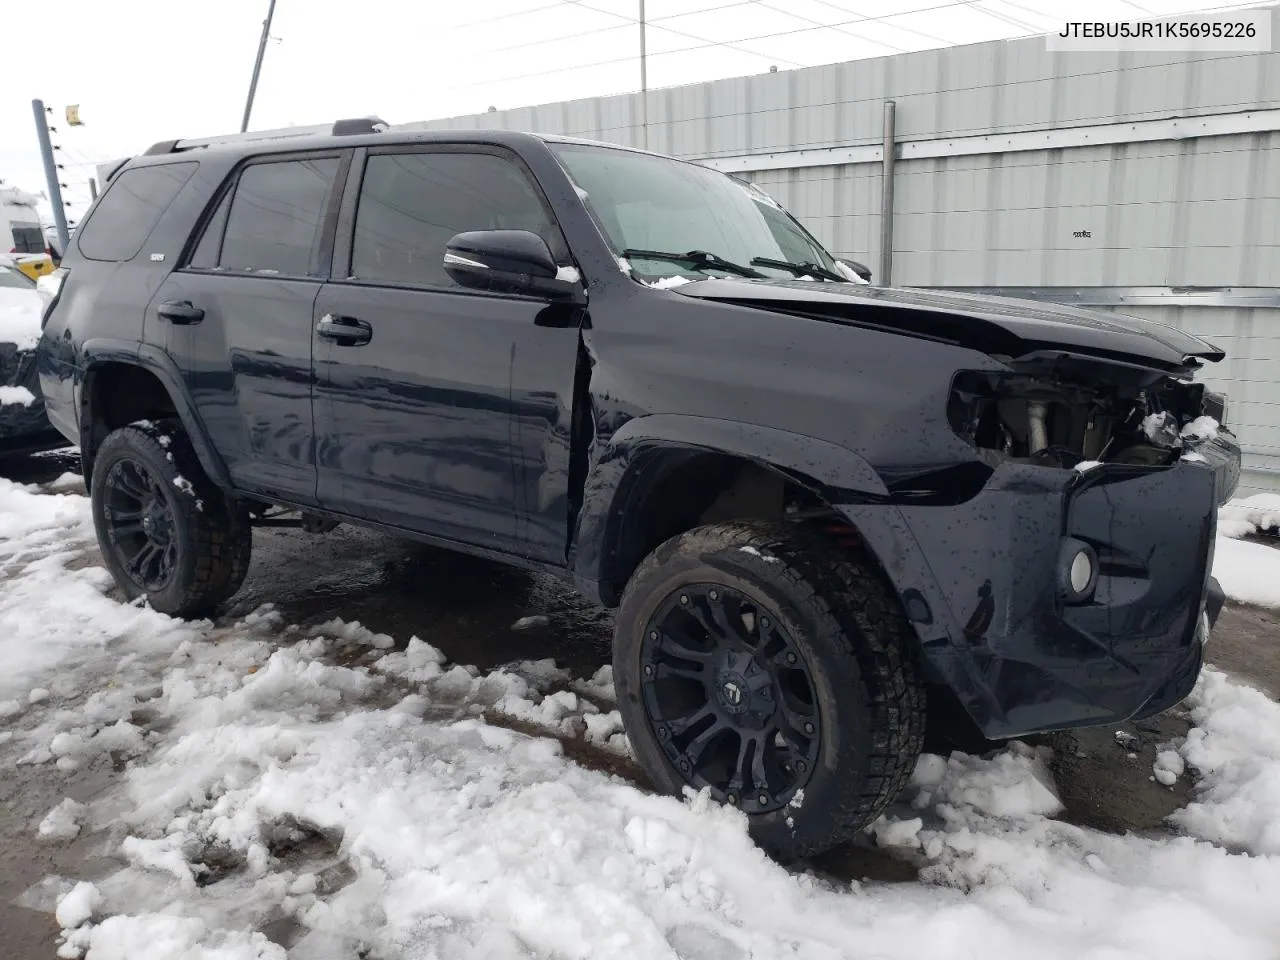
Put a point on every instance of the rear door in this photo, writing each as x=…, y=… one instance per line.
x=416, y=419
x=239, y=318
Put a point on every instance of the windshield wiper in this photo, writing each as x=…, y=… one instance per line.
x=697, y=259
x=799, y=269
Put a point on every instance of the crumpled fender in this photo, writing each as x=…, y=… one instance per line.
x=617, y=470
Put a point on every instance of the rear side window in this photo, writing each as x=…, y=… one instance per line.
x=130, y=209
x=273, y=225
x=411, y=204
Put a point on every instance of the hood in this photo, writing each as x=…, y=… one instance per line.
x=996, y=325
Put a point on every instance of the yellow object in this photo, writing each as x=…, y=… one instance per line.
x=35, y=265
x=73, y=116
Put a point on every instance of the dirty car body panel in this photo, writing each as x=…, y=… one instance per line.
x=881, y=402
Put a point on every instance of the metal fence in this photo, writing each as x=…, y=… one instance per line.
x=1147, y=183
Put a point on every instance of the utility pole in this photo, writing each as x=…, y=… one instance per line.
x=93, y=188
x=257, y=66
x=644, y=85
x=50, y=172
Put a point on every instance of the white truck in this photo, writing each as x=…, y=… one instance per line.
x=22, y=235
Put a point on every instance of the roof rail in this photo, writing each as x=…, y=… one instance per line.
x=341, y=128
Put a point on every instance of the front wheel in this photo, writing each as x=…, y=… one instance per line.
x=755, y=661
x=166, y=532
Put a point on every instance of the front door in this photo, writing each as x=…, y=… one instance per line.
x=239, y=322
x=414, y=415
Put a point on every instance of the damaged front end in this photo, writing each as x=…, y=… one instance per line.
x=1065, y=580
x=1077, y=413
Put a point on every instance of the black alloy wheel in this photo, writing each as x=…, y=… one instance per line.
x=138, y=514
x=730, y=697
x=167, y=533
x=775, y=671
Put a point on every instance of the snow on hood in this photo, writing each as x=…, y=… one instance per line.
x=20, y=317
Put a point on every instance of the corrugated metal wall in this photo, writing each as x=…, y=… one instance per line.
x=1093, y=170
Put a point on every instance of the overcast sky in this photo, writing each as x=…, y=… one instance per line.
x=148, y=70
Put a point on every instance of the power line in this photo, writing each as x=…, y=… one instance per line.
x=848, y=33
x=732, y=44
x=651, y=21
x=502, y=16
x=1003, y=18
x=895, y=26
x=882, y=18
x=1038, y=13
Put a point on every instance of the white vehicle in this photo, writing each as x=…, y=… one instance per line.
x=22, y=236
x=23, y=424
x=20, y=227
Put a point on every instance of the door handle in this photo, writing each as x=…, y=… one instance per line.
x=181, y=312
x=344, y=331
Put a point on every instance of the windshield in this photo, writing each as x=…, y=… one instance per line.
x=651, y=203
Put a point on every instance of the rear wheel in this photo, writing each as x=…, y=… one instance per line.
x=754, y=661
x=166, y=532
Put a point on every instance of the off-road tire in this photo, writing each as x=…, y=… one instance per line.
x=856, y=641
x=213, y=532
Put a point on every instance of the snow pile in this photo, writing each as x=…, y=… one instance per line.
x=53, y=615
x=1235, y=749
x=373, y=806
x=20, y=317
x=62, y=822
x=1256, y=514
x=467, y=840
x=1248, y=572
x=16, y=396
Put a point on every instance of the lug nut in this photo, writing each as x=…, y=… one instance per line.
x=763, y=798
x=684, y=598
x=791, y=658
x=664, y=733
x=684, y=765
x=714, y=595
x=648, y=670
x=801, y=766
x=733, y=799
x=653, y=634
x=764, y=621
x=808, y=727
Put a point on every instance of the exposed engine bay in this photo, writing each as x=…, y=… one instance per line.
x=1069, y=412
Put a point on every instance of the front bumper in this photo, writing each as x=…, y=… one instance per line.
x=982, y=583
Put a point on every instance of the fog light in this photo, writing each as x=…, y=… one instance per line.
x=1077, y=570
x=1081, y=572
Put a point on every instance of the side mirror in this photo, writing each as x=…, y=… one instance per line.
x=506, y=260
x=858, y=270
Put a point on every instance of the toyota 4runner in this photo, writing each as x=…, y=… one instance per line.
x=822, y=508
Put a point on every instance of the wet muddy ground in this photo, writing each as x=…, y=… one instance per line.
x=481, y=613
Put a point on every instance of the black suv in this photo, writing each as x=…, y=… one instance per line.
x=822, y=508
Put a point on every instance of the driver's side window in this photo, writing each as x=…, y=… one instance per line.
x=411, y=204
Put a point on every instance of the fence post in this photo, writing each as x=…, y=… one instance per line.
x=886, y=196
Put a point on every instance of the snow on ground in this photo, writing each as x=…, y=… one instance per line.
x=1248, y=572
x=1257, y=514
x=322, y=775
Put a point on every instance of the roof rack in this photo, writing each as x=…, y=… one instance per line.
x=353, y=126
